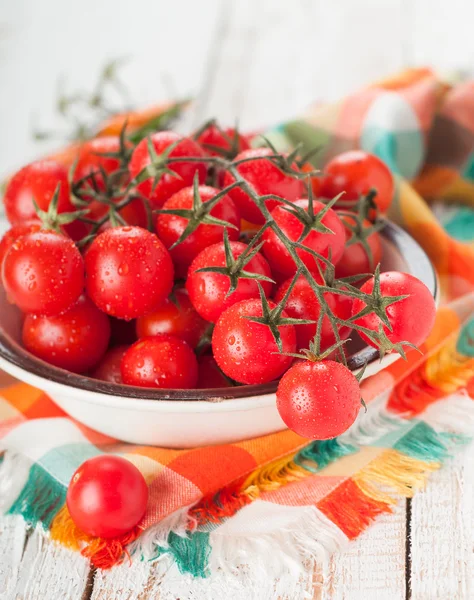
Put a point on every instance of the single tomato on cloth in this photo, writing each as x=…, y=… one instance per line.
x=107, y=496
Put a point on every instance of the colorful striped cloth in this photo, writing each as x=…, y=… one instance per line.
x=265, y=511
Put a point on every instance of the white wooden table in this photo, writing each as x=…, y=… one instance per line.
x=260, y=61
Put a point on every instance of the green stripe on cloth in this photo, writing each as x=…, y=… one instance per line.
x=320, y=454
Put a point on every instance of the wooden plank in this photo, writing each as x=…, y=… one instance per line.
x=124, y=582
x=442, y=534
x=12, y=542
x=373, y=566
x=49, y=570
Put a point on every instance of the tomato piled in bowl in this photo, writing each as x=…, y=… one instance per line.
x=185, y=263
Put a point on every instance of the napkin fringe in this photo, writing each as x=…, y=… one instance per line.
x=186, y=535
x=346, y=511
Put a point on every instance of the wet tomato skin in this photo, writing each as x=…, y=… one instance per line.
x=128, y=272
x=411, y=318
x=208, y=291
x=266, y=178
x=167, y=184
x=318, y=400
x=37, y=181
x=210, y=376
x=355, y=173
x=43, y=273
x=304, y=304
x=15, y=232
x=161, y=361
x=109, y=367
x=278, y=256
x=107, y=496
x=246, y=351
x=75, y=340
x=170, y=227
x=212, y=138
x=175, y=316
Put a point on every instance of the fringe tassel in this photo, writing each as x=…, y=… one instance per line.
x=40, y=499
x=443, y=373
x=191, y=554
x=103, y=553
x=350, y=509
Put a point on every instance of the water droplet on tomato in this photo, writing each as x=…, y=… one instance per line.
x=123, y=269
x=231, y=340
x=32, y=286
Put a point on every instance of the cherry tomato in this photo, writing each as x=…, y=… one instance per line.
x=43, y=273
x=355, y=259
x=304, y=304
x=162, y=361
x=170, y=227
x=355, y=173
x=14, y=233
x=213, y=137
x=37, y=181
x=75, y=340
x=411, y=318
x=167, y=184
x=208, y=291
x=246, y=351
x=278, y=256
x=107, y=496
x=210, y=376
x=318, y=400
x=265, y=178
x=91, y=161
x=128, y=272
x=175, y=316
x=109, y=367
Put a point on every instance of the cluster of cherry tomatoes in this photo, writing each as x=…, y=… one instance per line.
x=200, y=262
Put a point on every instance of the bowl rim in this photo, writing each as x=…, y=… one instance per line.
x=11, y=352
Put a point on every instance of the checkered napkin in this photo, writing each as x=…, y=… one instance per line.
x=267, y=509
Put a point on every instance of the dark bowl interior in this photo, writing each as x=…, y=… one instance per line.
x=401, y=252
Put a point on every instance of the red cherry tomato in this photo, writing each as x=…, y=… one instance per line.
x=303, y=304
x=208, y=291
x=265, y=178
x=245, y=350
x=76, y=340
x=212, y=137
x=109, y=367
x=175, y=316
x=14, y=233
x=411, y=318
x=162, y=361
x=355, y=259
x=168, y=184
x=43, y=273
x=278, y=256
x=210, y=376
x=37, y=181
x=170, y=227
x=107, y=496
x=91, y=161
x=128, y=272
x=355, y=173
x=318, y=400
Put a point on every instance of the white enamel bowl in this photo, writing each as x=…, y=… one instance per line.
x=184, y=418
